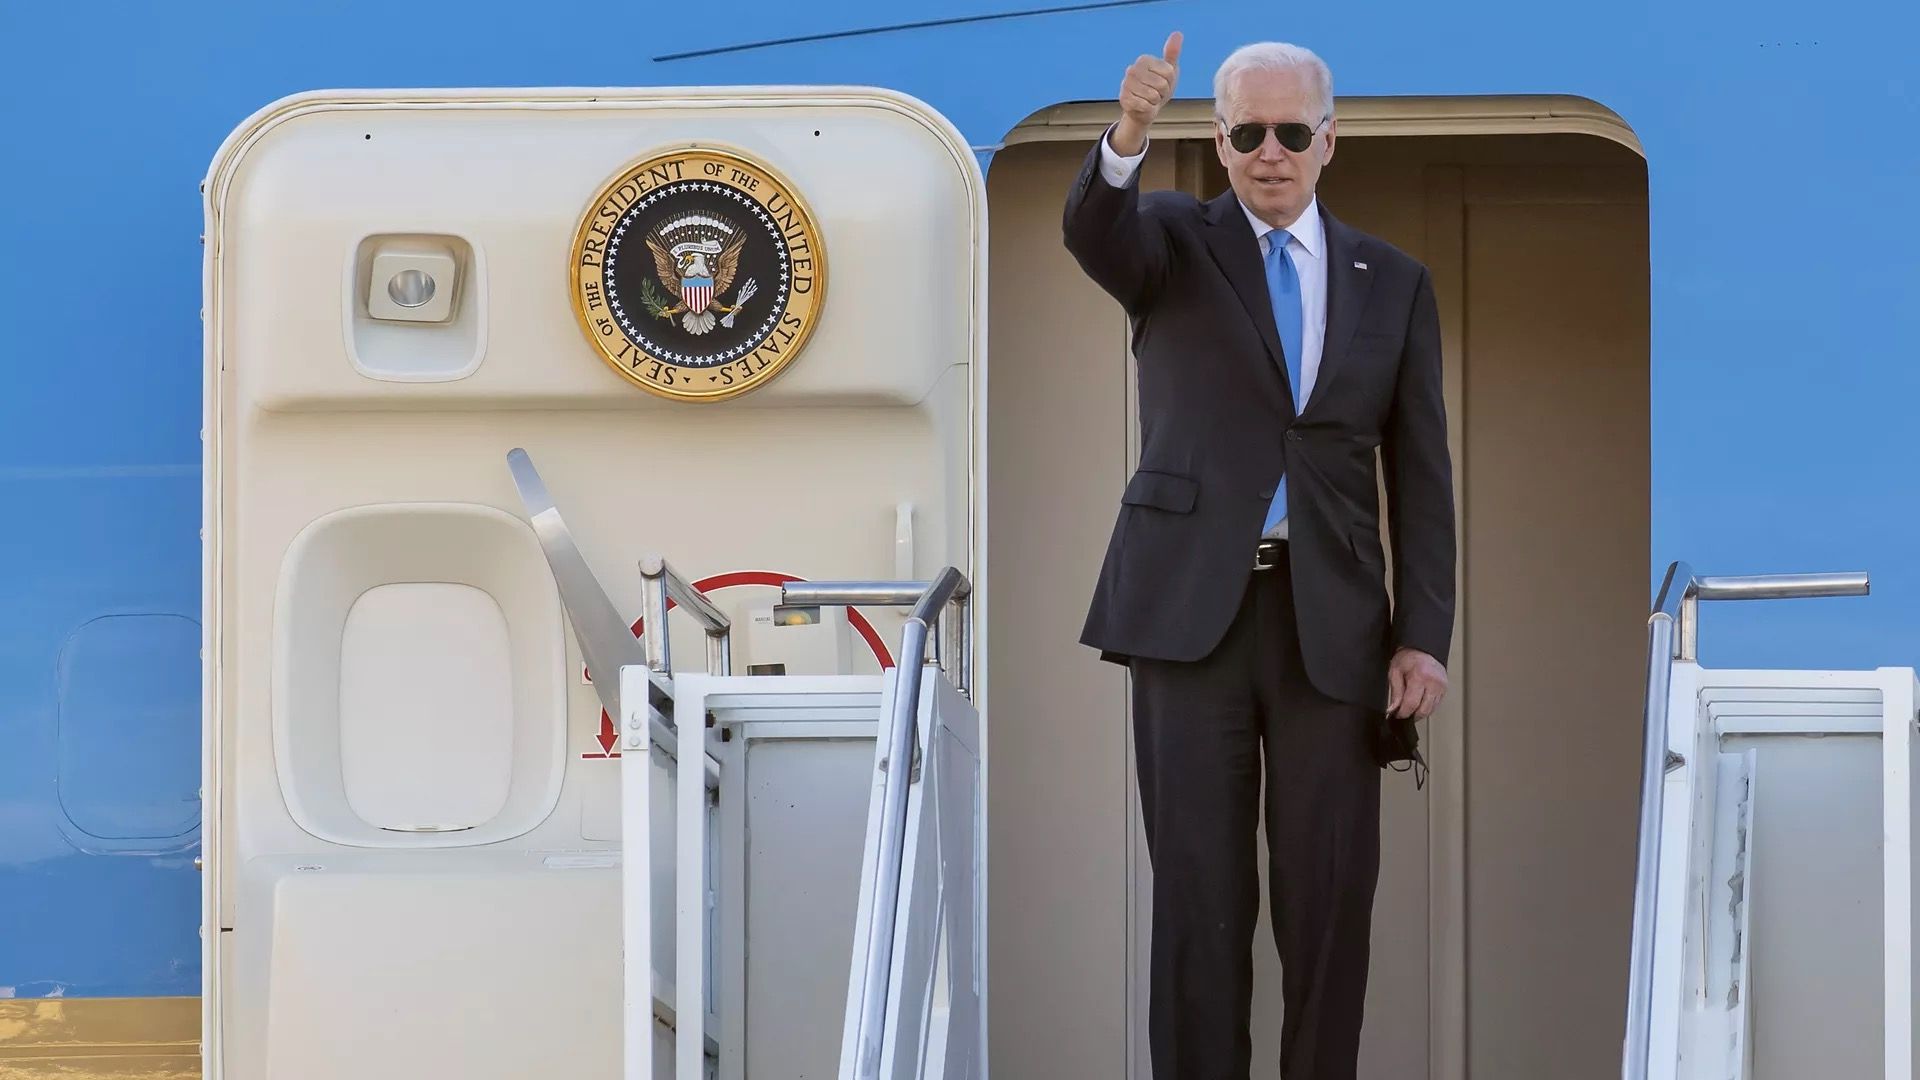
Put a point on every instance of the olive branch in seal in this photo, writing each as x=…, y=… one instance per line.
x=650, y=295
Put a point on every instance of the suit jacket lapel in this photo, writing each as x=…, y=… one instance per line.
x=1231, y=243
x=1347, y=288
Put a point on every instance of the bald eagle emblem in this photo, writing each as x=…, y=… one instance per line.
x=696, y=257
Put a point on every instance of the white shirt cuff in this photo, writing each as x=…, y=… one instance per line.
x=1114, y=169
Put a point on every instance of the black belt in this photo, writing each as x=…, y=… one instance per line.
x=1268, y=554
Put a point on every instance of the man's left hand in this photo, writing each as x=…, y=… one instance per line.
x=1415, y=684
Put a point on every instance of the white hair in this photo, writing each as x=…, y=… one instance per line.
x=1275, y=56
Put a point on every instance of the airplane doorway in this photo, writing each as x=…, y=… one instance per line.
x=1501, y=924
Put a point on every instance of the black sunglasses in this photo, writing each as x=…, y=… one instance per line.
x=1247, y=138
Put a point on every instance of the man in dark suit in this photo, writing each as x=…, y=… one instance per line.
x=1244, y=584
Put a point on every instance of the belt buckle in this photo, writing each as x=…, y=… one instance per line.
x=1261, y=552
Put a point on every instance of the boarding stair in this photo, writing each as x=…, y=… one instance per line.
x=745, y=802
x=1774, y=902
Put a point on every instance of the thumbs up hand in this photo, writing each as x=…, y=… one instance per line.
x=1144, y=91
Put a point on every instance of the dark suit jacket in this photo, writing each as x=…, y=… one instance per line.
x=1219, y=428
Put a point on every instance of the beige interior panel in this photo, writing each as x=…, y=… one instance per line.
x=1557, y=573
x=1059, y=816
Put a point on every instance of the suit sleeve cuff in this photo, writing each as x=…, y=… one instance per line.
x=1116, y=170
x=1429, y=636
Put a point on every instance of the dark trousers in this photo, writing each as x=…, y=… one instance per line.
x=1203, y=733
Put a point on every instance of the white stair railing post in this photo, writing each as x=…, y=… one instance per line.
x=636, y=909
x=662, y=588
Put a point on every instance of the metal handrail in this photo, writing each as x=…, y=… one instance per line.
x=930, y=603
x=1758, y=587
x=1673, y=633
x=898, y=594
x=659, y=583
x=853, y=593
x=606, y=642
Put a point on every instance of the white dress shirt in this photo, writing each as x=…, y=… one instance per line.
x=1307, y=245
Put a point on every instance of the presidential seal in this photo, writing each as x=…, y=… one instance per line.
x=698, y=274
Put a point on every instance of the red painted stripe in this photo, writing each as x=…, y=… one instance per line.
x=758, y=577
x=776, y=579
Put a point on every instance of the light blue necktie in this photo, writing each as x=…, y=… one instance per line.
x=1283, y=287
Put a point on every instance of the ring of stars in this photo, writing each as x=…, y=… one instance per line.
x=660, y=351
